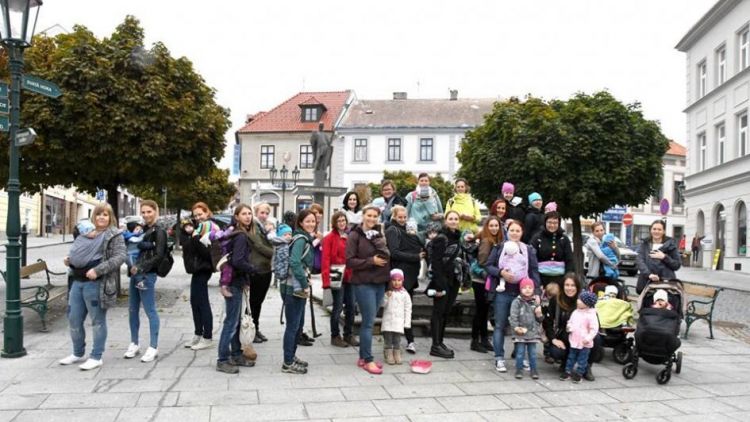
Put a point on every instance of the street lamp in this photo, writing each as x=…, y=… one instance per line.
x=284, y=172
x=15, y=35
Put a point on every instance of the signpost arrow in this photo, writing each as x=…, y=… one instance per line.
x=40, y=86
x=4, y=106
x=3, y=90
x=25, y=137
x=4, y=123
x=325, y=190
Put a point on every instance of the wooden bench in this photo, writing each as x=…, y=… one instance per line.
x=37, y=298
x=700, y=309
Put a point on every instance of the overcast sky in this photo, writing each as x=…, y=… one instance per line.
x=258, y=53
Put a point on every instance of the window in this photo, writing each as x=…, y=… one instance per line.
x=702, y=155
x=640, y=232
x=266, y=156
x=702, y=79
x=306, y=157
x=237, y=162
x=394, y=149
x=360, y=150
x=744, y=43
x=742, y=134
x=425, y=149
x=721, y=66
x=721, y=136
x=310, y=114
x=741, y=229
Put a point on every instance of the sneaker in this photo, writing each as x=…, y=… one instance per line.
x=565, y=376
x=257, y=339
x=306, y=337
x=132, y=351
x=140, y=286
x=90, y=364
x=534, y=374
x=293, y=368
x=69, y=360
x=448, y=349
x=526, y=366
x=203, y=343
x=519, y=374
x=576, y=377
x=411, y=348
x=373, y=368
x=339, y=342
x=500, y=366
x=352, y=341
x=241, y=361
x=300, y=362
x=192, y=342
x=300, y=294
x=150, y=355
x=227, y=368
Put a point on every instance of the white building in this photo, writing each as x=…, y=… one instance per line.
x=717, y=50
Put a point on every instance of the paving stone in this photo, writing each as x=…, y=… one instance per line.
x=376, y=419
x=568, y=398
x=642, y=409
x=450, y=417
x=590, y=412
x=555, y=384
x=536, y=415
x=728, y=389
x=500, y=387
x=259, y=412
x=740, y=402
x=158, y=399
x=346, y=409
x=216, y=398
x=423, y=390
x=713, y=417
x=700, y=406
x=688, y=391
x=137, y=414
x=182, y=414
x=298, y=395
x=522, y=401
x=740, y=416
x=309, y=381
x=90, y=401
x=472, y=403
x=8, y=415
x=365, y=378
x=367, y=392
x=209, y=384
x=21, y=401
x=640, y=394
x=57, y=387
x=433, y=378
x=68, y=415
x=138, y=386
x=261, y=382
x=408, y=406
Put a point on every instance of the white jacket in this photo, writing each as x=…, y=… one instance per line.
x=396, y=312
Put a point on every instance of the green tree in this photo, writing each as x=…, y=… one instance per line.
x=588, y=154
x=127, y=116
x=405, y=182
x=213, y=188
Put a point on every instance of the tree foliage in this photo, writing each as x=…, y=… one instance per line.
x=127, y=116
x=588, y=153
x=406, y=181
x=212, y=188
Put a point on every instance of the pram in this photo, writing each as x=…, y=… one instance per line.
x=657, y=332
x=616, y=337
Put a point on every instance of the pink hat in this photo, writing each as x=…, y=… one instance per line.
x=526, y=282
x=508, y=188
x=550, y=207
x=397, y=274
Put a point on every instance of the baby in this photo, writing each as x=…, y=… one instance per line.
x=661, y=300
x=411, y=226
x=610, y=271
x=133, y=236
x=511, y=259
x=281, y=242
x=85, y=253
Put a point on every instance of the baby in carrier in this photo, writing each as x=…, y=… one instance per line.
x=610, y=271
x=133, y=236
x=513, y=260
x=86, y=251
x=281, y=241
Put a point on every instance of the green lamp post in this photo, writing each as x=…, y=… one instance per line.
x=18, y=24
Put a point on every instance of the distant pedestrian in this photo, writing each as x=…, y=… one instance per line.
x=695, y=246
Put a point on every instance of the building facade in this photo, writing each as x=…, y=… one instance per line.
x=717, y=51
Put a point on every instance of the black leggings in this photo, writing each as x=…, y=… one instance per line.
x=259, y=284
x=408, y=332
x=479, y=325
x=203, y=318
x=441, y=307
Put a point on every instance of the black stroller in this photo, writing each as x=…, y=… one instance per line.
x=657, y=332
x=616, y=338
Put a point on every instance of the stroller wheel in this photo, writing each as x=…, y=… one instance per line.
x=678, y=364
x=663, y=376
x=629, y=371
x=622, y=353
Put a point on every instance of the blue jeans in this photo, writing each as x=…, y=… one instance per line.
x=369, y=298
x=578, y=357
x=82, y=301
x=294, y=312
x=147, y=297
x=229, y=340
x=502, y=304
x=343, y=299
x=521, y=349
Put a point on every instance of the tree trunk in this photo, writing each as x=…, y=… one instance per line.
x=113, y=200
x=578, y=247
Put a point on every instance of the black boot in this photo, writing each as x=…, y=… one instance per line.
x=477, y=346
x=441, y=352
x=487, y=344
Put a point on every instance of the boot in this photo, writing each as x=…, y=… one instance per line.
x=389, y=356
x=487, y=344
x=477, y=346
x=589, y=376
x=397, y=356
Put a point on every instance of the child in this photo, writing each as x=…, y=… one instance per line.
x=270, y=227
x=206, y=231
x=513, y=260
x=610, y=271
x=430, y=233
x=612, y=311
x=133, y=236
x=281, y=258
x=85, y=253
x=661, y=300
x=411, y=226
x=525, y=321
x=583, y=327
x=396, y=317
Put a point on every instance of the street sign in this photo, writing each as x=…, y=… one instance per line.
x=627, y=219
x=4, y=123
x=4, y=106
x=325, y=190
x=614, y=214
x=25, y=137
x=3, y=90
x=664, y=206
x=40, y=86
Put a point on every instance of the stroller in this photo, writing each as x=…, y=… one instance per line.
x=616, y=337
x=657, y=334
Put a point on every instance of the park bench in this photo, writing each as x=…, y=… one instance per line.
x=702, y=308
x=37, y=298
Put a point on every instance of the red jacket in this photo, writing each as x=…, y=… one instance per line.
x=334, y=253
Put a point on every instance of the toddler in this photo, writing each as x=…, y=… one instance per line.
x=86, y=251
x=281, y=242
x=206, y=231
x=583, y=327
x=610, y=271
x=133, y=236
x=661, y=300
x=396, y=317
x=511, y=259
x=525, y=321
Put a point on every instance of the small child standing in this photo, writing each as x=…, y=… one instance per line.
x=610, y=271
x=525, y=320
x=513, y=260
x=133, y=236
x=583, y=327
x=396, y=317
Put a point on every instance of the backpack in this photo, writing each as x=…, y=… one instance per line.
x=165, y=266
x=281, y=270
x=220, y=248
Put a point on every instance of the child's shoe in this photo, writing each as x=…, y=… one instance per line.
x=500, y=286
x=565, y=376
x=519, y=374
x=534, y=374
x=300, y=294
x=140, y=285
x=389, y=357
x=397, y=356
x=576, y=377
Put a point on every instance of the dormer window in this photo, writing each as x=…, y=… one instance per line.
x=311, y=113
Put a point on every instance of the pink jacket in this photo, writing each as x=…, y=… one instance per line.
x=583, y=327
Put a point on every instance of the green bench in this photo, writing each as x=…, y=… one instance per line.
x=37, y=298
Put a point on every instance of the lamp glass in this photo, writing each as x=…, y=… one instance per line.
x=16, y=25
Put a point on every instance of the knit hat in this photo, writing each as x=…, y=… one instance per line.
x=661, y=294
x=526, y=282
x=397, y=274
x=85, y=227
x=611, y=290
x=508, y=188
x=379, y=202
x=534, y=197
x=550, y=207
x=411, y=225
x=283, y=229
x=510, y=247
x=588, y=298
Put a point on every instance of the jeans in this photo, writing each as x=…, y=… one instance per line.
x=147, y=297
x=441, y=307
x=259, y=284
x=82, y=301
x=343, y=299
x=502, y=304
x=562, y=354
x=521, y=349
x=294, y=312
x=479, y=324
x=578, y=357
x=229, y=340
x=391, y=340
x=369, y=297
x=203, y=318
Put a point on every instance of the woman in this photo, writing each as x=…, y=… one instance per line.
x=446, y=247
x=96, y=291
x=368, y=256
x=490, y=236
x=334, y=255
x=407, y=252
x=596, y=258
x=300, y=263
x=423, y=203
x=197, y=259
x=533, y=221
x=230, y=349
x=553, y=251
x=466, y=206
x=317, y=245
x=502, y=300
x=556, y=321
x=390, y=198
x=352, y=208
x=153, y=250
x=658, y=257
x=260, y=259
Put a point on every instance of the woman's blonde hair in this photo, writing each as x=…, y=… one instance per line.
x=104, y=207
x=260, y=205
x=395, y=210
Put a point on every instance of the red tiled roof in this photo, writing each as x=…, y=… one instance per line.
x=287, y=116
x=676, y=149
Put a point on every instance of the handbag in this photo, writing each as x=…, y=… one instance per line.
x=337, y=276
x=247, y=328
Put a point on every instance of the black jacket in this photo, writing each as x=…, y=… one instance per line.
x=242, y=269
x=533, y=223
x=665, y=268
x=195, y=256
x=446, y=246
x=515, y=213
x=150, y=257
x=405, y=249
x=553, y=247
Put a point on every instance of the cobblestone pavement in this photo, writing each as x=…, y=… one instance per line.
x=183, y=385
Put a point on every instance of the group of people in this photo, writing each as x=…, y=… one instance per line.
x=517, y=260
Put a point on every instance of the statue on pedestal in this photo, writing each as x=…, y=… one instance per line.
x=322, y=149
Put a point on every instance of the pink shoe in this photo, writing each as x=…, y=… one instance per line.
x=361, y=363
x=373, y=368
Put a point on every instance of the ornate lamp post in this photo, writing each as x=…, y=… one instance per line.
x=284, y=172
x=18, y=25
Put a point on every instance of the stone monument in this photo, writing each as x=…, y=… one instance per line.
x=322, y=153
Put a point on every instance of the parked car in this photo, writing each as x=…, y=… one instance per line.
x=628, y=256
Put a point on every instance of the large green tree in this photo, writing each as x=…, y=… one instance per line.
x=405, y=182
x=588, y=154
x=128, y=116
x=212, y=188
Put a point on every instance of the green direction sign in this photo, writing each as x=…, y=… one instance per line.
x=3, y=90
x=40, y=86
x=4, y=107
x=4, y=123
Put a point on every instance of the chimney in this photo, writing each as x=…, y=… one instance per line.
x=454, y=94
x=399, y=95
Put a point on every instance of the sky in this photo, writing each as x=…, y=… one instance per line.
x=257, y=54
